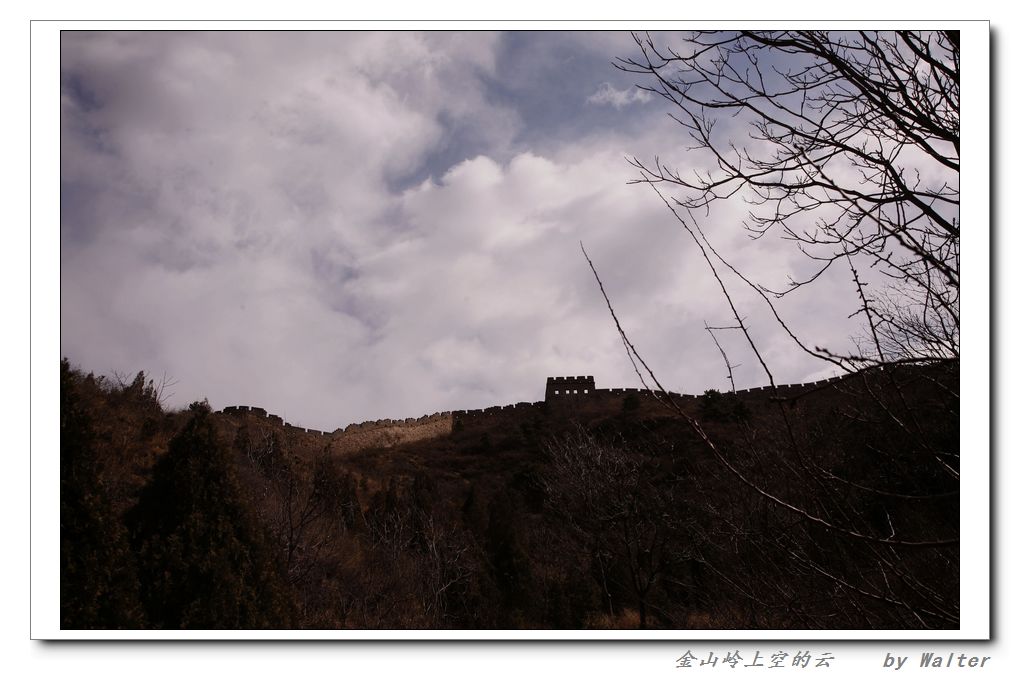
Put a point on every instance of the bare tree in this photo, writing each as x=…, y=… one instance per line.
x=626, y=505
x=306, y=507
x=844, y=143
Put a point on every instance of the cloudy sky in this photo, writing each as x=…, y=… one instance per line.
x=344, y=226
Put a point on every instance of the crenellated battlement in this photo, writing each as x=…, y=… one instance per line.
x=569, y=386
x=576, y=393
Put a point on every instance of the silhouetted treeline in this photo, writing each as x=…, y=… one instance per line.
x=830, y=512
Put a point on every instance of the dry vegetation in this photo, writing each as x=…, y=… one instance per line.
x=621, y=520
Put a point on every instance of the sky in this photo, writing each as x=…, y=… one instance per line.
x=346, y=226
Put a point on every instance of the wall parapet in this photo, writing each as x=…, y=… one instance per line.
x=353, y=428
x=559, y=389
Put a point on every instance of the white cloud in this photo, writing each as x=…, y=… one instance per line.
x=606, y=94
x=236, y=214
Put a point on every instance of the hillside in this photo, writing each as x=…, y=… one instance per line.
x=826, y=505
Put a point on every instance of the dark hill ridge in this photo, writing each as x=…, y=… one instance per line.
x=604, y=508
x=832, y=504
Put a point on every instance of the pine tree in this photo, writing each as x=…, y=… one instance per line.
x=203, y=560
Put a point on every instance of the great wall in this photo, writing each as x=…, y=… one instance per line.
x=570, y=396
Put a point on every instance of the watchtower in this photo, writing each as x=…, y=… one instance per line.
x=557, y=388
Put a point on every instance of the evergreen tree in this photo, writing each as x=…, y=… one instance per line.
x=203, y=560
x=97, y=579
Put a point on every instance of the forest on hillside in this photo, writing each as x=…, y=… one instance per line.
x=192, y=519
